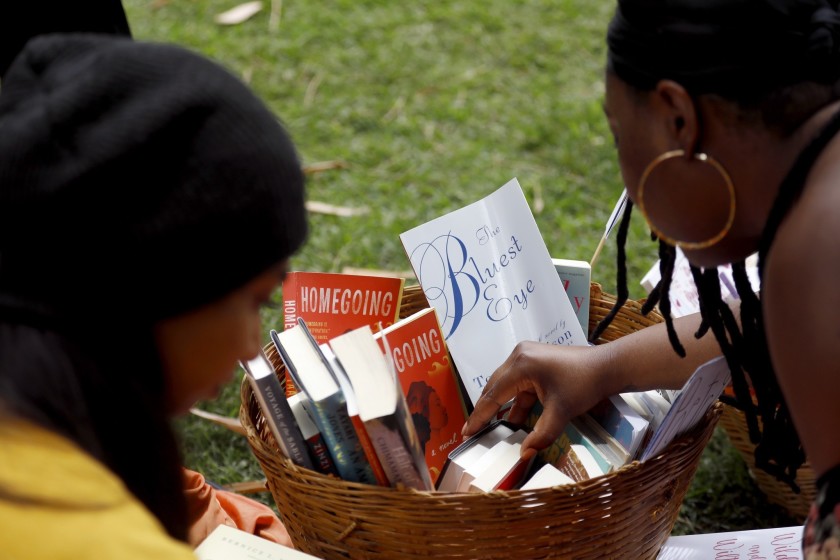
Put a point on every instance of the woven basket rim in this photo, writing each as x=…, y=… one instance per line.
x=333, y=518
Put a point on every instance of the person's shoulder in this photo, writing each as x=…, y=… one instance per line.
x=802, y=266
x=74, y=505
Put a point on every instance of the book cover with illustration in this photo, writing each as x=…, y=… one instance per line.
x=486, y=270
x=421, y=360
x=333, y=303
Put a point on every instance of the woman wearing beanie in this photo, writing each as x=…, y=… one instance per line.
x=148, y=204
x=726, y=119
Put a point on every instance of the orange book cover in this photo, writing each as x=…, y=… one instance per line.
x=422, y=363
x=333, y=303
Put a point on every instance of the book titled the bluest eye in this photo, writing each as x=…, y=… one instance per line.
x=486, y=269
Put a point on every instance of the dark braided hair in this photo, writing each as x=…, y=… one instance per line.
x=757, y=392
x=776, y=74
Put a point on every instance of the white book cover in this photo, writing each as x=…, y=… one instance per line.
x=699, y=393
x=486, y=269
x=683, y=292
x=757, y=544
x=230, y=543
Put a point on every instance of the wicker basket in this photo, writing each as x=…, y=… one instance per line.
x=625, y=515
x=734, y=423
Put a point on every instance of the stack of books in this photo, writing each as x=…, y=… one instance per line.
x=373, y=398
x=378, y=407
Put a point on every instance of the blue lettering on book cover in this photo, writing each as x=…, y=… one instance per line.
x=459, y=284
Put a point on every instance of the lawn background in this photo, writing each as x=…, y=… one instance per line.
x=431, y=106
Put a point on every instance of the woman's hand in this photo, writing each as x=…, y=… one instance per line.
x=565, y=379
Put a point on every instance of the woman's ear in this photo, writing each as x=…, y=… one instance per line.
x=677, y=108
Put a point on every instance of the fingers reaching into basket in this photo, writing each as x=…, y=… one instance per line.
x=563, y=378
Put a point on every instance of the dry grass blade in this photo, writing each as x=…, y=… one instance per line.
x=232, y=424
x=342, y=211
x=239, y=14
x=324, y=166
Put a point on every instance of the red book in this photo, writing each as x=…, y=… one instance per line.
x=333, y=303
x=421, y=361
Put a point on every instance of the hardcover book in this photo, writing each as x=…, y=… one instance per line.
x=332, y=303
x=421, y=360
x=382, y=408
x=308, y=367
x=486, y=270
x=318, y=451
x=276, y=410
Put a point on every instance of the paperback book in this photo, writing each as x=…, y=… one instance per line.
x=332, y=303
x=470, y=451
x=419, y=355
x=699, y=393
x=782, y=543
x=486, y=270
x=230, y=543
x=577, y=279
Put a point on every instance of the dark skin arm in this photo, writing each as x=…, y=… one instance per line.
x=569, y=380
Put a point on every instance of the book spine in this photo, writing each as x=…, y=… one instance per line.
x=290, y=306
x=367, y=445
x=396, y=458
x=321, y=455
x=344, y=445
x=613, y=421
x=278, y=414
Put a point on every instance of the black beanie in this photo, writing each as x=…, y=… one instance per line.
x=137, y=181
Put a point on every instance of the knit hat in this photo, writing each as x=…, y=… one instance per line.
x=137, y=179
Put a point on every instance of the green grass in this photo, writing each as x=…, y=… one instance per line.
x=432, y=105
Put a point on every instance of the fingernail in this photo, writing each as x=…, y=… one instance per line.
x=464, y=428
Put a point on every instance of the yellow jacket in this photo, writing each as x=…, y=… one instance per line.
x=57, y=502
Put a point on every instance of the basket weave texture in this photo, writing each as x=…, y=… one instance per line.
x=627, y=514
x=734, y=423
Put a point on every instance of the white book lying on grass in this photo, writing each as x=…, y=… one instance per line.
x=783, y=543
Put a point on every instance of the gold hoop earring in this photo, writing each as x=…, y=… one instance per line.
x=703, y=158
